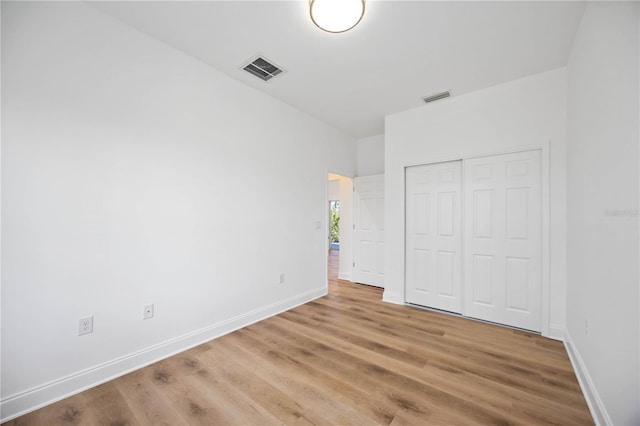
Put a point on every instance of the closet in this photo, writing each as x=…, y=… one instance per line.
x=473, y=238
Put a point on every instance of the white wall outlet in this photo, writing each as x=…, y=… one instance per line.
x=587, y=332
x=282, y=278
x=85, y=326
x=147, y=311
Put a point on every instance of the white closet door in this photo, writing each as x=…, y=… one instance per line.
x=368, y=255
x=433, y=236
x=503, y=279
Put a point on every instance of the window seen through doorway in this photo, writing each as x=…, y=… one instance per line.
x=334, y=224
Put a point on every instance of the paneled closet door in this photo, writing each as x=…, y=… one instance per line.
x=434, y=236
x=503, y=241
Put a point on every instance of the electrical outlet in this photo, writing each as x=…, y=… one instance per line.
x=147, y=311
x=85, y=326
x=587, y=332
x=282, y=278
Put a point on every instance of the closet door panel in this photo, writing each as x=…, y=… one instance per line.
x=503, y=239
x=434, y=236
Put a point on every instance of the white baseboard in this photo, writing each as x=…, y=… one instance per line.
x=24, y=402
x=598, y=411
x=346, y=276
x=555, y=332
x=391, y=297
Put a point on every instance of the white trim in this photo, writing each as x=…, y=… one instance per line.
x=345, y=276
x=556, y=332
x=545, y=177
x=391, y=297
x=24, y=402
x=596, y=407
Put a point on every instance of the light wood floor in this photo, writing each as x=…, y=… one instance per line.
x=346, y=358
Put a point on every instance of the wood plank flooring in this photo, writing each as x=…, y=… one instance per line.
x=346, y=358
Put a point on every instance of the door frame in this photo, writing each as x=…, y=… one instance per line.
x=544, y=147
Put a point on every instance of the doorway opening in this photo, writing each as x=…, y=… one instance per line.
x=334, y=224
x=339, y=228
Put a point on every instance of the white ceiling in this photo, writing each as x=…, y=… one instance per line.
x=400, y=52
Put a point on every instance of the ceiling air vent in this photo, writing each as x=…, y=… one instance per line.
x=436, y=97
x=262, y=68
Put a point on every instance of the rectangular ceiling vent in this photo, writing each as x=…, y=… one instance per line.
x=436, y=97
x=262, y=68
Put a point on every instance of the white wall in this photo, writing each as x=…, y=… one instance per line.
x=134, y=174
x=333, y=190
x=602, y=188
x=520, y=114
x=371, y=155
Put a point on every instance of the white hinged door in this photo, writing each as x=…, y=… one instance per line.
x=368, y=209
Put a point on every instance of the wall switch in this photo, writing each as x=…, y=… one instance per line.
x=147, y=311
x=85, y=326
x=282, y=278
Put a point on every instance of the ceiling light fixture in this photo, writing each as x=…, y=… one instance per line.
x=336, y=16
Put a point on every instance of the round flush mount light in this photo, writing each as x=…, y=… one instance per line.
x=336, y=16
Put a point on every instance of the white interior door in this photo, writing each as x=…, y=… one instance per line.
x=434, y=236
x=368, y=253
x=503, y=241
